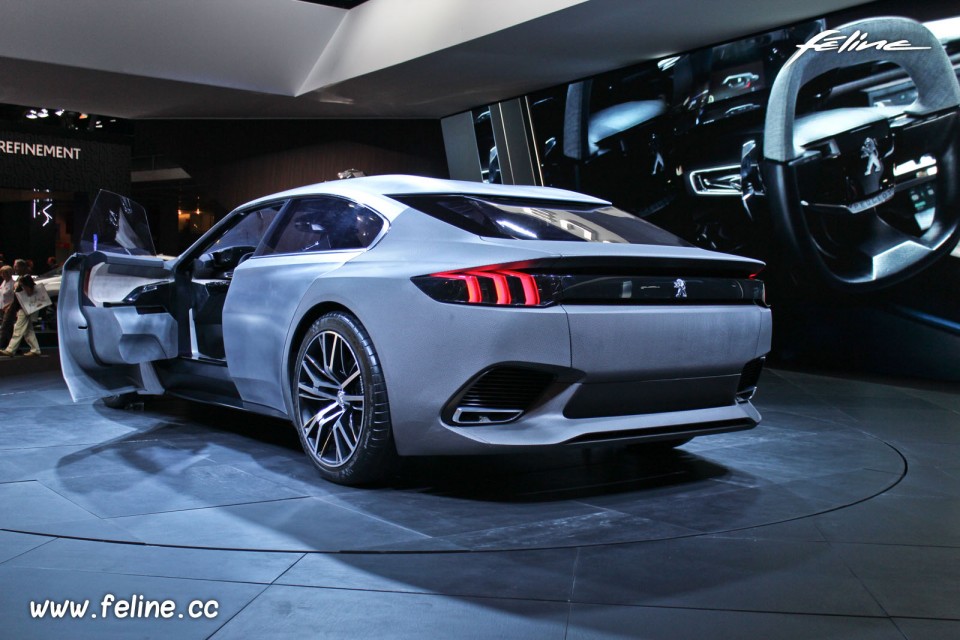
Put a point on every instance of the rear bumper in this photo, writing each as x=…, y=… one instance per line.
x=630, y=374
x=547, y=426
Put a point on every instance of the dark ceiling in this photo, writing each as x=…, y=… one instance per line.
x=282, y=59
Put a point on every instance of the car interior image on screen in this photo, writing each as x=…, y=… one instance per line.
x=818, y=148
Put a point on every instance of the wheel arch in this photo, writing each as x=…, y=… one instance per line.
x=375, y=453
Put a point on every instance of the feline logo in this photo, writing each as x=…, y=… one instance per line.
x=833, y=40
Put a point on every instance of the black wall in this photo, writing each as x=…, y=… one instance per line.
x=99, y=164
x=234, y=161
x=23, y=236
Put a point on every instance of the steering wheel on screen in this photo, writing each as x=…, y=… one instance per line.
x=862, y=198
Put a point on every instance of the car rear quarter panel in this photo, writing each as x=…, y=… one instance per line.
x=429, y=349
x=271, y=296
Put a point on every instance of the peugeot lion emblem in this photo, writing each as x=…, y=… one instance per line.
x=872, y=154
x=681, y=286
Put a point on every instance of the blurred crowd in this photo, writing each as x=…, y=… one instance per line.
x=16, y=324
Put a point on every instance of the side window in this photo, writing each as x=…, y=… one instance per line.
x=224, y=253
x=325, y=224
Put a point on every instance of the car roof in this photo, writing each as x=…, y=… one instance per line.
x=373, y=190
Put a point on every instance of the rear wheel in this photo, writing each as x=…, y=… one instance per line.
x=340, y=402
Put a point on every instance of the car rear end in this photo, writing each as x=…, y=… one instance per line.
x=583, y=342
x=654, y=353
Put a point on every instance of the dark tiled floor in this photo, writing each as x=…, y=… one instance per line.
x=839, y=517
x=176, y=473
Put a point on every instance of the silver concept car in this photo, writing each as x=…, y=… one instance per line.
x=404, y=315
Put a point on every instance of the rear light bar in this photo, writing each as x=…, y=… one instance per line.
x=490, y=286
x=497, y=285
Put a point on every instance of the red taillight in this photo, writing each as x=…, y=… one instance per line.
x=489, y=286
x=500, y=284
x=530, y=292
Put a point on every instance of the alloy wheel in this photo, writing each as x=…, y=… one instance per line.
x=330, y=399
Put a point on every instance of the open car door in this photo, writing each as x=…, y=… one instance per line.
x=114, y=309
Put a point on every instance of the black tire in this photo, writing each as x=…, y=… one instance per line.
x=336, y=367
x=120, y=401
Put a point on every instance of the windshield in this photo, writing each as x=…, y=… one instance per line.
x=117, y=224
x=518, y=219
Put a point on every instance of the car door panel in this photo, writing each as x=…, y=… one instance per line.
x=264, y=295
x=113, y=317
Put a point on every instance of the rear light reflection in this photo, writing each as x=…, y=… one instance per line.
x=470, y=281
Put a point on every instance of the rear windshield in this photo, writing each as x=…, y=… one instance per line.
x=517, y=219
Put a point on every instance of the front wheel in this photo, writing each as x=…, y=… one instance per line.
x=340, y=402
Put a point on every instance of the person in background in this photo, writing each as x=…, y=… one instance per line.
x=23, y=328
x=20, y=267
x=52, y=263
x=6, y=303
